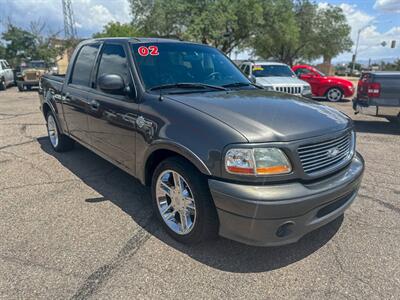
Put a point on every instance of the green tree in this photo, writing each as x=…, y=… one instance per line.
x=2, y=51
x=116, y=29
x=222, y=23
x=299, y=30
x=333, y=33
x=20, y=44
x=25, y=45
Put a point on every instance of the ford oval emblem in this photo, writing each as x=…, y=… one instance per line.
x=333, y=152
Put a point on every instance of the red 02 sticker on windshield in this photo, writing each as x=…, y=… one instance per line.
x=144, y=51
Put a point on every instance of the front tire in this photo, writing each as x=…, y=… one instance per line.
x=60, y=142
x=334, y=94
x=182, y=201
x=20, y=87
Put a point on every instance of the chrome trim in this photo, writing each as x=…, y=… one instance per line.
x=323, y=157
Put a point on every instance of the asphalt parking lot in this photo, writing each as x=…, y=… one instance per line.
x=74, y=226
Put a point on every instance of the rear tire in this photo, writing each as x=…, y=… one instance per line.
x=183, y=202
x=3, y=85
x=60, y=142
x=334, y=94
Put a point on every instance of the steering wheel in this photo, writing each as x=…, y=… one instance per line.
x=213, y=75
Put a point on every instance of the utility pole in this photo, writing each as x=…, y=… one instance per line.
x=355, y=52
x=69, y=22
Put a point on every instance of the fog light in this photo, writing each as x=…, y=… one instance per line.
x=285, y=229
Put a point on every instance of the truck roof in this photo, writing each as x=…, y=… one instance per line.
x=261, y=62
x=137, y=39
x=384, y=73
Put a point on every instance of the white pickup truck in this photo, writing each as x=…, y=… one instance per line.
x=6, y=75
x=276, y=77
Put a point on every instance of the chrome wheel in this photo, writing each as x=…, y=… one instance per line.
x=175, y=202
x=334, y=95
x=52, y=131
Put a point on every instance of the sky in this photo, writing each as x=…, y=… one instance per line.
x=378, y=19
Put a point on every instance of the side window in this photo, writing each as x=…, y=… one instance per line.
x=302, y=71
x=84, y=65
x=6, y=65
x=247, y=70
x=114, y=61
x=3, y=65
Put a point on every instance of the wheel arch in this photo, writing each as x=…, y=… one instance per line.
x=163, y=150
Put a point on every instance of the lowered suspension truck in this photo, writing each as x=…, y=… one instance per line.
x=222, y=155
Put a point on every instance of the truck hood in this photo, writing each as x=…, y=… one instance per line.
x=262, y=116
x=284, y=81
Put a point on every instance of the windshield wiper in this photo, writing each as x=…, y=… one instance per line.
x=235, y=84
x=239, y=84
x=187, y=85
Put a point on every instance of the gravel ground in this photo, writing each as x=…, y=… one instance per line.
x=74, y=226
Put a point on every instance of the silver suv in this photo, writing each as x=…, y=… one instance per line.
x=6, y=75
x=276, y=77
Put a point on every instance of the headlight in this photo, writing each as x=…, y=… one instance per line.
x=269, y=88
x=306, y=89
x=258, y=161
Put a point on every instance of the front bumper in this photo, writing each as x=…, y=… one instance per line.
x=28, y=82
x=274, y=215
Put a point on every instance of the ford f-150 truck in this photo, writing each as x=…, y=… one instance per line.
x=378, y=94
x=220, y=154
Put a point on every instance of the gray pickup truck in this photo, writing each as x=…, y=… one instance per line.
x=220, y=154
x=378, y=94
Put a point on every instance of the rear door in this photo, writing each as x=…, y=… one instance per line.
x=112, y=117
x=75, y=99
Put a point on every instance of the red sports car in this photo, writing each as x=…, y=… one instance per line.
x=330, y=87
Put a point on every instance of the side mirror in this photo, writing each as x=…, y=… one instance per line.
x=111, y=83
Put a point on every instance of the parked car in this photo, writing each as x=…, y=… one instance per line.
x=30, y=74
x=330, y=87
x=378, y=93
x=6, y=75
x=220, y=154
x=275, y=77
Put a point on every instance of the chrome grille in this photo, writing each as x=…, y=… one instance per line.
x=326, y=155
x=288, y=89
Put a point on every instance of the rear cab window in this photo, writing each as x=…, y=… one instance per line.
x=82, y=69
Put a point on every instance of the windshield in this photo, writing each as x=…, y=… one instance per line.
x=319, y=72
x=272, y=71
x=37, y=65
x=161, y=64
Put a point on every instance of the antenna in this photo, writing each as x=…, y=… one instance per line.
x=69, y=22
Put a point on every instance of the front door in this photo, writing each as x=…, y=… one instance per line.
x=75, y=99
x=112, y=117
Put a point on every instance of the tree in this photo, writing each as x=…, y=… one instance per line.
x=116, y=29
x=22, y=44
x=222, y=23
x=2, y=51
x=299, y=30
x=333, y=33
